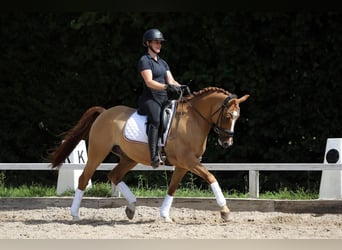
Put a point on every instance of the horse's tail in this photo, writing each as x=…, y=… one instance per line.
x=74, y=136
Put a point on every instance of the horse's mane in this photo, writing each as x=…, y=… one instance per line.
x=204, y=91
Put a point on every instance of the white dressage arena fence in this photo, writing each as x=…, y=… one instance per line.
x=252, y=168
x=330, y=187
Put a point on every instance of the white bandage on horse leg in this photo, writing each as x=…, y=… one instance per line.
x=221, y=201
x=126, y=192
x=165, y=208
x=76, y=202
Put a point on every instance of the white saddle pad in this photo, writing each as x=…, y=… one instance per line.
x=135, y=128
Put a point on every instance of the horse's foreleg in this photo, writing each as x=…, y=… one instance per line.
x=176, y=178
x=165, y=208
x=202, y=172
x=220, y=200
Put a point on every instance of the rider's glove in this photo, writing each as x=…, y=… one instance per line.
x=173, y=88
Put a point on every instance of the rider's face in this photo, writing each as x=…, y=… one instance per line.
x=156, y=45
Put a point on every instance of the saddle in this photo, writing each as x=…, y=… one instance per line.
x=136, y=127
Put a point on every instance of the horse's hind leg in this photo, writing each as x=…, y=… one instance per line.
x=95, y=156
x=116, y=176
x=83, y=180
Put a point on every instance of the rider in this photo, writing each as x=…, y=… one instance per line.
x=157, y=79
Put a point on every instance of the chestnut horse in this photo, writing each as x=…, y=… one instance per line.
x=196, y=114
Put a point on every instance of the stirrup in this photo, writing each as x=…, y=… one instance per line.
x=162, y=157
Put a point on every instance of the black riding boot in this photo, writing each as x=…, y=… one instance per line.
x=152, y=142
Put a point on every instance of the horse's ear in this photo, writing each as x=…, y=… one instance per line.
x=244, y=98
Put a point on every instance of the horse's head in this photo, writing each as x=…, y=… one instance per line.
x=229, y=113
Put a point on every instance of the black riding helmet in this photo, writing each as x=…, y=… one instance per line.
x=152, y=34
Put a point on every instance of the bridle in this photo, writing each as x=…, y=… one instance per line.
x=217, y=127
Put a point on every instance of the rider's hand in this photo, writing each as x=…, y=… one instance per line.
x=173, y=88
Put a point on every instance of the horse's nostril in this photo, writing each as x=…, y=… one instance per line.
x=228, y=143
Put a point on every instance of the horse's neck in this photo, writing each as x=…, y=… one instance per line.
x=207, y=104
x=198, y=112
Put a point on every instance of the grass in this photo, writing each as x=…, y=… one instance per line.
x=105, y=190
x=27, y=191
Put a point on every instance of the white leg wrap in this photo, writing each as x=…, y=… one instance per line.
x=221, y=201
x=165, y=208
x=126, y=192
x=76, y=202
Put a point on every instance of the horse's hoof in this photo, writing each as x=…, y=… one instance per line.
x=225, y=217
x=225, y=213
x=167, y=219
x=130, y=210
x=75, y=218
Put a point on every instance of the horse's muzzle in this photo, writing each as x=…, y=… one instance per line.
x=226, y=143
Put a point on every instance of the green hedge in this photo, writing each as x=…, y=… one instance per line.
x=54, y=66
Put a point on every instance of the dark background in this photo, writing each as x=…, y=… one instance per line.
x=54, y=66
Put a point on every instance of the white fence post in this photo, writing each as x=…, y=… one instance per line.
x=68, y=178
x=331, y=181
x=253, y=179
